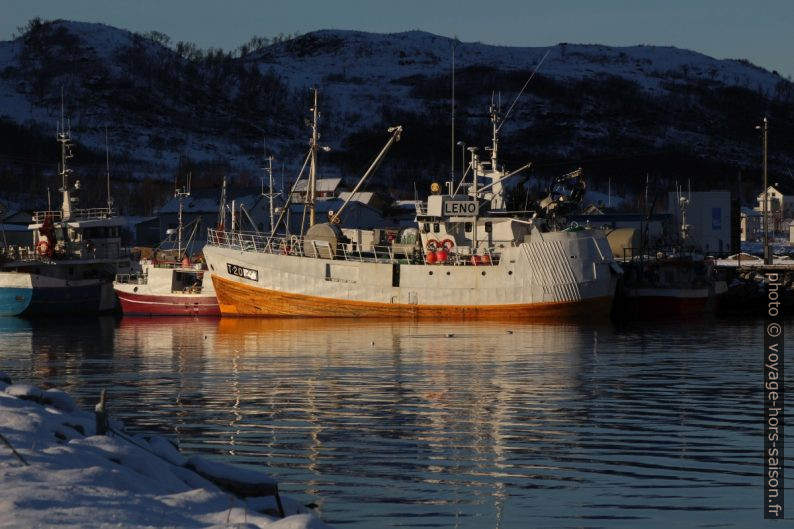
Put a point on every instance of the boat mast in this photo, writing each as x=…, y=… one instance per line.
x=313, y=167
x=180, y=194
x=495, y=119
x=269, y=169
x=270, y=195
x=475, y=168
x=496, y=174
x=65, y=139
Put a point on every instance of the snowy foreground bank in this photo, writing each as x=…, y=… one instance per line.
x=54, y=472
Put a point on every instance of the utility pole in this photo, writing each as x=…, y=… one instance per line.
x=764, y=127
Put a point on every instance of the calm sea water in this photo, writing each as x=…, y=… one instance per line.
x=470, y=425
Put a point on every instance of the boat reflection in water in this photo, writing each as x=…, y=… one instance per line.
x=473, y=424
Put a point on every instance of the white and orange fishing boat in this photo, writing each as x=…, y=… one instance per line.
x=466, y=257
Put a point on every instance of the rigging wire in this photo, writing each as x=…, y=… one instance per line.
x=507, y=114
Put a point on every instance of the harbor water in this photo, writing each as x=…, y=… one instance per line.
x=461, y=424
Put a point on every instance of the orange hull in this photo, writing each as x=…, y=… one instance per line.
x=236, y=299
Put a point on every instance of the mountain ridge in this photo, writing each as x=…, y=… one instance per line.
x=172, y=108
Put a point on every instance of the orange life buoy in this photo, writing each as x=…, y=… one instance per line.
x=448, y=244
x=432, y=245
x=43, y=247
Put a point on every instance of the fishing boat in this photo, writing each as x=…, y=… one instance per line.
x=467, y=257
x=75, y=255
x=168, y=282
x=670, y=282
x=671, y=286
x=164, y=287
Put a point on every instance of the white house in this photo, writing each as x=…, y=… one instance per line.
x=751, y=225
x=323, y=188
x=708, y=217
x=780, y=205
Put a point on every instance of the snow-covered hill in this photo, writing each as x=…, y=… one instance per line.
x=168, y=106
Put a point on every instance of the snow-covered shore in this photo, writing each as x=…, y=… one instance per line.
x=54, y=472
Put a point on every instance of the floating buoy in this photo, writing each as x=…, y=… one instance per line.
x=448, y=244
x=441, y=256
x=485, y=259
x=430, y=257
x=432, y=245
x=475, y=260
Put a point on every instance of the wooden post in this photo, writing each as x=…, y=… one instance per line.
x=101, y=415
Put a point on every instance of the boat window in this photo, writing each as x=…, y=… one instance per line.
x=425, y=227
x=467, y=227
x=436, y=227
x=488, y=227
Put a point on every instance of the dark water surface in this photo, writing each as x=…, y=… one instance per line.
x=471, y=425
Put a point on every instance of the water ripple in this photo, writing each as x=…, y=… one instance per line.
x=440, y=425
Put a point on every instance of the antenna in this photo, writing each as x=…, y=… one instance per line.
x=507, y=114
x=107, y=166
x=452, y=143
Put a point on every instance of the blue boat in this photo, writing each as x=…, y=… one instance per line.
x=16, y=294
x=74, y=257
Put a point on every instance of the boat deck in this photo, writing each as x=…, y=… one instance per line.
x=348, y=251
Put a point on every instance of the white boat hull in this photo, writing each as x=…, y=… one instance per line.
x=555, y=273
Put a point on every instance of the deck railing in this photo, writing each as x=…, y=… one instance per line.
x=29, y=254
x=298, y=246
x=134, y=278
x=77, y=214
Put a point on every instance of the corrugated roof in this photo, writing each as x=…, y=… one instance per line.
x=324, y=185
x=361, y=196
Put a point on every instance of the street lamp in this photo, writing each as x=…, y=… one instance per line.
x=767, y=254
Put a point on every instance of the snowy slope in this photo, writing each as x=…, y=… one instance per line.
x=153, y=122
